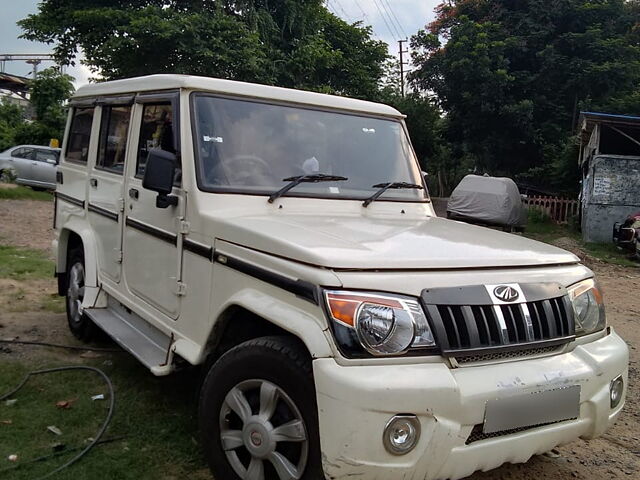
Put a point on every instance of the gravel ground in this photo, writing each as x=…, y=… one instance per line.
x=615, y=455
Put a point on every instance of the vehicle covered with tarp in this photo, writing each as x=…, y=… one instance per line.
x=493, y=201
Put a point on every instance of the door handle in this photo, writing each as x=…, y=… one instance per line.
x=134, y=193
x=93, y=182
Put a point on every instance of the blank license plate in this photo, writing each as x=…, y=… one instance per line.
x=530, y=409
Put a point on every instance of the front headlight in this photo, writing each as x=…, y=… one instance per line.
x=588, y=306
x=381, y=324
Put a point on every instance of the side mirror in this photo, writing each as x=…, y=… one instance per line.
x=51, y=161
x=159, y=173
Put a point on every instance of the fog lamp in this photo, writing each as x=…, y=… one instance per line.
x=615, y=391
x=401, y=434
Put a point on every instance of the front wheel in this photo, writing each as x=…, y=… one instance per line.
x=258, y=413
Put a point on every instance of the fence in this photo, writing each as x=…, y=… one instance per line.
x=560, y=210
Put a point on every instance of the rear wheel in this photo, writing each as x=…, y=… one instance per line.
x=79, y=324
x=258, y=413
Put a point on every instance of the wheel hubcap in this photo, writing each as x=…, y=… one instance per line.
x=75, y=294
x=259, y=424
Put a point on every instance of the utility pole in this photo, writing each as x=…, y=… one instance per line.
x=402, y=64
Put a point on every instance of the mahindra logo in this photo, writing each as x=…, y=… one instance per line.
x=506, y=293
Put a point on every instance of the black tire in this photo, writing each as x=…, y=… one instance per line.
x=79, y=324
x=279, y=362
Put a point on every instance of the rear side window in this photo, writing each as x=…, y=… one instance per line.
x=22, y=152
x=79, y=135
x=156, y=131
x=114, y=131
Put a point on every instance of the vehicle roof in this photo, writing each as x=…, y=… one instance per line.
x=230, y=87
x=42, y=147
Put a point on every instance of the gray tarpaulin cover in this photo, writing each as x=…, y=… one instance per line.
x=490, y=200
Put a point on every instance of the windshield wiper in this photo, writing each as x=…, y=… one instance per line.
x=389, y=186
x=295, y=181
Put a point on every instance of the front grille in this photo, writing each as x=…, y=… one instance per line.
x=483, y=328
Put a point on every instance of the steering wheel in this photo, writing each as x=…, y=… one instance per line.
x=244, y=170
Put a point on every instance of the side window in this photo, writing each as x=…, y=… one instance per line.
x=22, y=153
x=46, y=156
x=156, y=131
x=114, y=130
x=79, y=135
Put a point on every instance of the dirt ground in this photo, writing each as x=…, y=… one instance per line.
x=615, y=455
x=26, y=223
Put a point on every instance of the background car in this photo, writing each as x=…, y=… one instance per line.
x=31, y=165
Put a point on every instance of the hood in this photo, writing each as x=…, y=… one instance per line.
x=356, y=242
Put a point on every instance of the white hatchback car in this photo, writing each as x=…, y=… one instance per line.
x=285, y=241
x=31, y=165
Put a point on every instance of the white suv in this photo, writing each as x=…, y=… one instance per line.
x=285, y=241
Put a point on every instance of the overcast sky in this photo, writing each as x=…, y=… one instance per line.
x=392, y=20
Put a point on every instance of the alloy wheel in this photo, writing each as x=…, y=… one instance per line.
x=263, y=433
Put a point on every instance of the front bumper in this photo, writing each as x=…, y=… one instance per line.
x=356, y=402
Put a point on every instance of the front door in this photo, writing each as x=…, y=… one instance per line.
x=106, y=187
x=44, y=167
x=151, y=254
x=21, y=163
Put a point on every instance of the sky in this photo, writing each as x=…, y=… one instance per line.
x=391, y=20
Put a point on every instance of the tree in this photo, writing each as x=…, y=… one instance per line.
x=512, y=75
x=11, y=116
x=47, y=95
x=292, y=43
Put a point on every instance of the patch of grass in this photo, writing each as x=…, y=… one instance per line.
x=23, y=193
x=609, y=253
x=53, y=303
x=156, y=415
x=548, y=232
x=24, y=263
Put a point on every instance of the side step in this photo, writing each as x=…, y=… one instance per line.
x=136, y=335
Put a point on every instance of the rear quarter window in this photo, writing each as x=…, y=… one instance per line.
x=79, y=135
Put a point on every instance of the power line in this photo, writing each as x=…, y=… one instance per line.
x=364, y=14
x=385, y=19
x=395, y=17
x=347, y=16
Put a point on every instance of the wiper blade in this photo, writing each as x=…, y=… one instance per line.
x=312, y=178
x=389, y=186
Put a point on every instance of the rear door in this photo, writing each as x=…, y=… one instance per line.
x=106, y=185
x=152, y=244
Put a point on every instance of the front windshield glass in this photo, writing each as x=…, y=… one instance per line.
x=250, y=147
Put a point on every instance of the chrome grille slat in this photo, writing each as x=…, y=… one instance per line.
x=488, y=329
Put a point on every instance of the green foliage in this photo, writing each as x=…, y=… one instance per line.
x=539, y=216
x=282, y=42
x=512, y=76
x=11, y=116
x=47, y=94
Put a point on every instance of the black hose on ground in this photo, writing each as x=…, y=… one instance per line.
x=66, y=347
x=105, y=424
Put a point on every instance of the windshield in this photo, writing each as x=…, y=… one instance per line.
x=250, y=147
